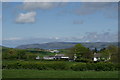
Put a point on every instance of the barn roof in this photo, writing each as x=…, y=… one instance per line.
x=59, y=55
x=97, y=55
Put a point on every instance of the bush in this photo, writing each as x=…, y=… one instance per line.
x=79, y=67
x=101, y=66
x=60, y=65
x=33, y=65
x=84, y=60
x=90, y=66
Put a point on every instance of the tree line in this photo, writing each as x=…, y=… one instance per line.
x=82, y=53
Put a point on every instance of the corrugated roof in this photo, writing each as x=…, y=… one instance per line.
x=97, y=55
x=59, y=55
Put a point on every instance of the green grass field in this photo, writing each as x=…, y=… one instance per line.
x=24, y=73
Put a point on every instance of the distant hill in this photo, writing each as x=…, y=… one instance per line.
x=63, y=45
x=2, y=47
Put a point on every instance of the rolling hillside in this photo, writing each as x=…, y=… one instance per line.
x=63, y=45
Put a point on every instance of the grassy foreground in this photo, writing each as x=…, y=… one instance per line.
x=24, y=73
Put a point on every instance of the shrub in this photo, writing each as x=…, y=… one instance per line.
x=90, y=66
x=79, y=67
x=61, y=65
x=101, y=66
x=37, y=65
x=84, y=60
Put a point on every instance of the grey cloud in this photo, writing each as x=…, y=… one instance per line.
x=93, y=7
x=102, y=37
x=85, y=8
x=78, y=22
x=41, y=5
x=32, y=6
x=89, y=37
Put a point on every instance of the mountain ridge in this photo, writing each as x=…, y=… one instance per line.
x=63, y=45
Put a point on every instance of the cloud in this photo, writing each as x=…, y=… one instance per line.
x=85, y=8
x=71, y=0
x=47, y=0
x=88, y=37
x=37, y=5
x=0, y=18
x=101, y=37
x=41, y=5
x=78, y=22
x=26, y=17
x=99, y=0
x=33, y=6
x=59, y=0
x=93, y=7
x=13, y=38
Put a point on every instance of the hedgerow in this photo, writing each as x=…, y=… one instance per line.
x=101, y=66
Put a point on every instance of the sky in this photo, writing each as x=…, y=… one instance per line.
x=42, y=22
